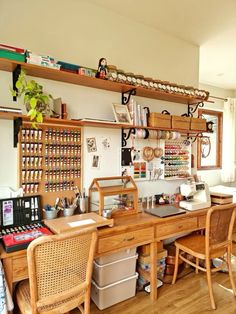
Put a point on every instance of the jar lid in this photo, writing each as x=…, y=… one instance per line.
x=129, y=73
x=139, y=76
x=120, y=71
x=111, y=67
x=148, y=78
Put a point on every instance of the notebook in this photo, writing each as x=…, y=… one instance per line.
x=165, y=211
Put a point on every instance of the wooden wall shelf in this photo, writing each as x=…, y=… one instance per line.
x=56, y=121
x=51, y=74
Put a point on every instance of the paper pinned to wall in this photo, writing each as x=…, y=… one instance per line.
x=81, y=222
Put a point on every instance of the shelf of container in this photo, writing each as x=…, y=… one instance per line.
x=72, y=78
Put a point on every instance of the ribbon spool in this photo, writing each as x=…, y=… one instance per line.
x=158, y=152
x=148, y=153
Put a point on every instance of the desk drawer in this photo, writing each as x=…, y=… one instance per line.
x=171, y=228
x=202, y=221
x=19, y=268
x=127, y=239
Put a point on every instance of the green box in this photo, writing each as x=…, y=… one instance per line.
x=12, y=55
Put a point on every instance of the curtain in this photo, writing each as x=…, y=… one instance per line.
x=228, y=147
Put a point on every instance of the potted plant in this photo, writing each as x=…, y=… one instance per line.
x=37, y=102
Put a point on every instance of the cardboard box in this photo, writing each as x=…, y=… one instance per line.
x=179, y=122
x=159, y=120
x=198, y=124
x=145, y=249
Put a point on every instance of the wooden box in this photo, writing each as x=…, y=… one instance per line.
x=198, y=124
x=159, y=120
x=220, y=198
x=178, y=122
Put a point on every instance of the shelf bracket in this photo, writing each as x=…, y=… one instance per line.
x=126, y=98
x=125, y=136
x=15, y=75
x=17, y=123
x=193, y=108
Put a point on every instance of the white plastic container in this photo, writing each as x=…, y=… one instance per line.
x=114, y=293
x=111, y=272
x=116, y=256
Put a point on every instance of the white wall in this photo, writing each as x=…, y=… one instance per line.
x=81, y=33
x=213, y=177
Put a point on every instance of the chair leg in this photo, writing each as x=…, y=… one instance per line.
x=176, y=265
x=87, y=303
x=209, y=282
x=197, y=263
x=230, y=270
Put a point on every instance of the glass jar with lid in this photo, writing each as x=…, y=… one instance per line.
x=129, y=76
x=112, y=73
x=121, y=77
x=150, y=82
x=139, y=79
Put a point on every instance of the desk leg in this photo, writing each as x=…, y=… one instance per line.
x=153, y=271
x=7, y=265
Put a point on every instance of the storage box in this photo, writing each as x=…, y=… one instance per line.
x=114, y=293
x=111, y=272
x=198, y=124
x=145, y=249
x=220, y=198
x=161, y=120
x=179, y=122
x=116, y=256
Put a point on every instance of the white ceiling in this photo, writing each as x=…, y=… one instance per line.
x=211, y=24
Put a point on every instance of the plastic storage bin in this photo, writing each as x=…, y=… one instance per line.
x=111, y=272
x=114, y=293
x=116, y=256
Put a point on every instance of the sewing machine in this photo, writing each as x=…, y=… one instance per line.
x=197, y=195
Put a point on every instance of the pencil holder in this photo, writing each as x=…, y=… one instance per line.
x=69, y=211
x=83, y=204
x=50, y=214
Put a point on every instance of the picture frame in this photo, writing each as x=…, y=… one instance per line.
x=121, y=114
x=91, y=144
x=96, y=162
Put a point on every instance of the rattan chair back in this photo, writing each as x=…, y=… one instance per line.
x=219, y=227
x=60, y=270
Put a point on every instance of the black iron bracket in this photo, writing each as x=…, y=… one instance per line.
x=125, y=136
x=125, y=96
x=17, y=123
x=193, y=138
x=15, y=75
x=193, y=108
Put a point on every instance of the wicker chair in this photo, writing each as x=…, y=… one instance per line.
x=60, y=270
x=215, y=243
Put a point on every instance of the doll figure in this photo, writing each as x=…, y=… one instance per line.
x=102, y=68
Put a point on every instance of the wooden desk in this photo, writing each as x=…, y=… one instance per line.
x=128, y=231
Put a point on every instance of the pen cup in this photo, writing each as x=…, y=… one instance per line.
x=50, y=214
x=69, y=211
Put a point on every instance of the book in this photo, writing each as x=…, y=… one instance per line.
x=10, y=109
x=11, y=48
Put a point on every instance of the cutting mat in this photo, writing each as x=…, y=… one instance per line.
x=76, y=222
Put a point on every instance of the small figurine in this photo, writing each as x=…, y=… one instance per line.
x=102, y=69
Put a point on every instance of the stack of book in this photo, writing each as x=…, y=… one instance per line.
x=42, y=60
x=12, y=53
x=10, y=110
x=138, y=113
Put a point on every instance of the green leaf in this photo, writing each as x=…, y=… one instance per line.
x=18, y=84
x=45, y=99
x=33, y=102
x=32, y=114
x=39, y=117
x=34, y=125
x=13, y=92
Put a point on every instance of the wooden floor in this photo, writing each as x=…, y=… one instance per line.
x=188, y=296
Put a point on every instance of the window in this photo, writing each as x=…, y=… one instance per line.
x=209, y=150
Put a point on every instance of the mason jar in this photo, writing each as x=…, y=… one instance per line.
x=112, y=73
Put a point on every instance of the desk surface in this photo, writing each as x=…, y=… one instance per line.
x=128, y=231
